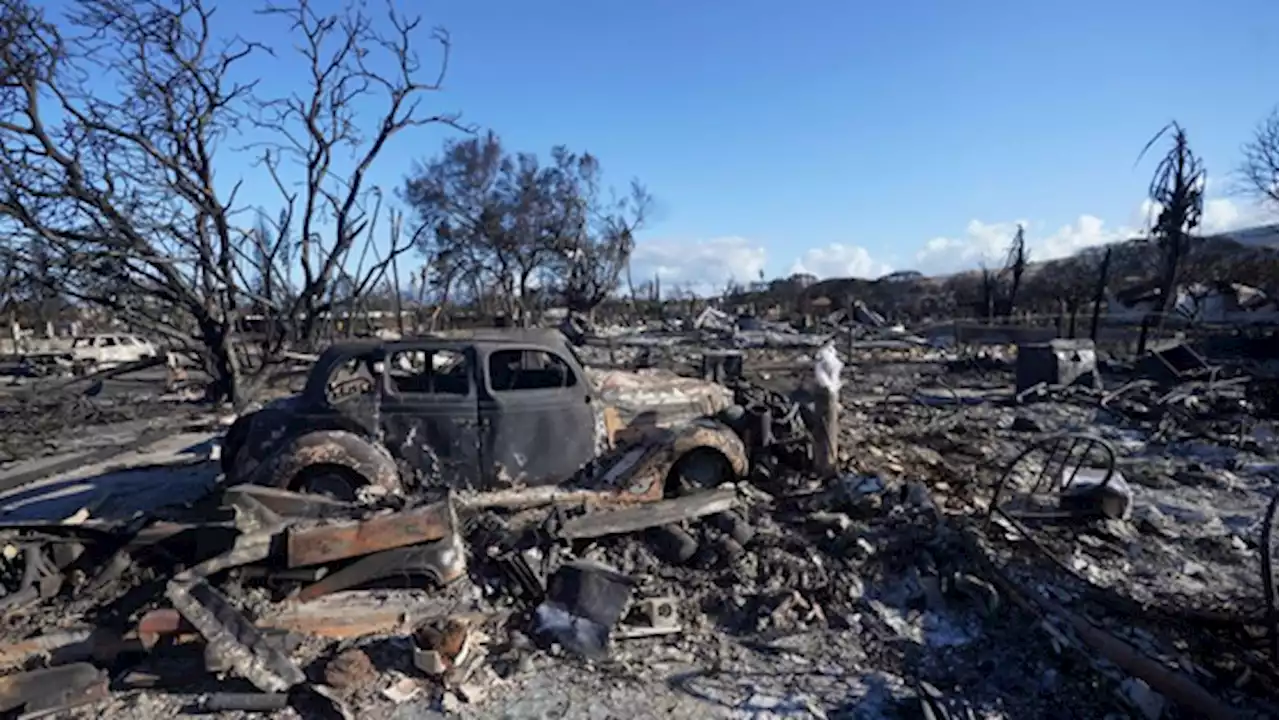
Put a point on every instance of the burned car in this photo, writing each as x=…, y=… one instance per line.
x=484, y=411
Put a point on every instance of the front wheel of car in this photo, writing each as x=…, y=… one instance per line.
x=331, y=481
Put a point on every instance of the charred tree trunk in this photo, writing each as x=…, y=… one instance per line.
x=220, y=362
x=1100, y=295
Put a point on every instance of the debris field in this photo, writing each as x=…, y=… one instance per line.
x=685, y=524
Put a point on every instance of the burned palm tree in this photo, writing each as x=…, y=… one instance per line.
x=1177, y=191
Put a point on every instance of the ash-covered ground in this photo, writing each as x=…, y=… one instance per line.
x=895, y=589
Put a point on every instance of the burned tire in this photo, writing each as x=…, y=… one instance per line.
x=331, y=481
x=672, y=544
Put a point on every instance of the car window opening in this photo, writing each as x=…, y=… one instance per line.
x=516, y=370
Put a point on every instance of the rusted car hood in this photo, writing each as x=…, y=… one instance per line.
x=658, y=398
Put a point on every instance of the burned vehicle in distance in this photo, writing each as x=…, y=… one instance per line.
x=490, y=410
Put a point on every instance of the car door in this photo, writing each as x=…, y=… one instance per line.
x=536, y=417
x=429, y=413
x=108, y=350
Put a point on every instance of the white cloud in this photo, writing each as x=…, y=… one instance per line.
x=705, y=266
x=987, y=242
x=1220, y=215
x=837, y=260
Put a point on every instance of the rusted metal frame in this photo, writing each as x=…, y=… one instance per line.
x=1121, y=603
x=1054, y=480
x=42, y=575
x=1015, y=522
x=327, y=543
x=442, y=560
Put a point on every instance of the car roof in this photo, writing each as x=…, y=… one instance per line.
x=481, y=336
x=494, y=337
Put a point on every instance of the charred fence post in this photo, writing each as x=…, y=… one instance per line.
x=826, y=441
x=826, y=373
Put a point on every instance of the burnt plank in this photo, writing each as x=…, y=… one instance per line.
x=55, y=687
x=339, y=541
x=663, y=512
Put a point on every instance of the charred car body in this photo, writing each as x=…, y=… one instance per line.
x=485, y=411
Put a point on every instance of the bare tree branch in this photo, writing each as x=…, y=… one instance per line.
x=113, y=121
x=1259, y=171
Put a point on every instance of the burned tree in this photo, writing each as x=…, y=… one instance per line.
x=1068, y=284
x=1259, y=171
x=1100, y=291
x=502, y=226
x=490, y=219
x=120, y=184
x=600, y=231
x=963, y=293
x=353, y=64
x=1177, y=191
x=990, y=293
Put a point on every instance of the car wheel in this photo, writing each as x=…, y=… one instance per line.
x=337, y=483
x=700, y=469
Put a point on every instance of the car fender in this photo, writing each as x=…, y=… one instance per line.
x=329, y=447
x=706, y=433
x=638, y=473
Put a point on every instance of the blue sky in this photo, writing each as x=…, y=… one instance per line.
x=853, y=137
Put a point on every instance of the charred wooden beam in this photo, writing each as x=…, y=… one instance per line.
x=51, y=689
x=641, y=517
x=232, y=638
x=340, y=541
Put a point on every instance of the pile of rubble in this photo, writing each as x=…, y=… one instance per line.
x=1051, y=536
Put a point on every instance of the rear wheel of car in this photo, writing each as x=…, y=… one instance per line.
x=700, y=469
x=332, y=481
x=703, y=469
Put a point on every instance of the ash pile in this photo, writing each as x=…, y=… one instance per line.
x=484, y=527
